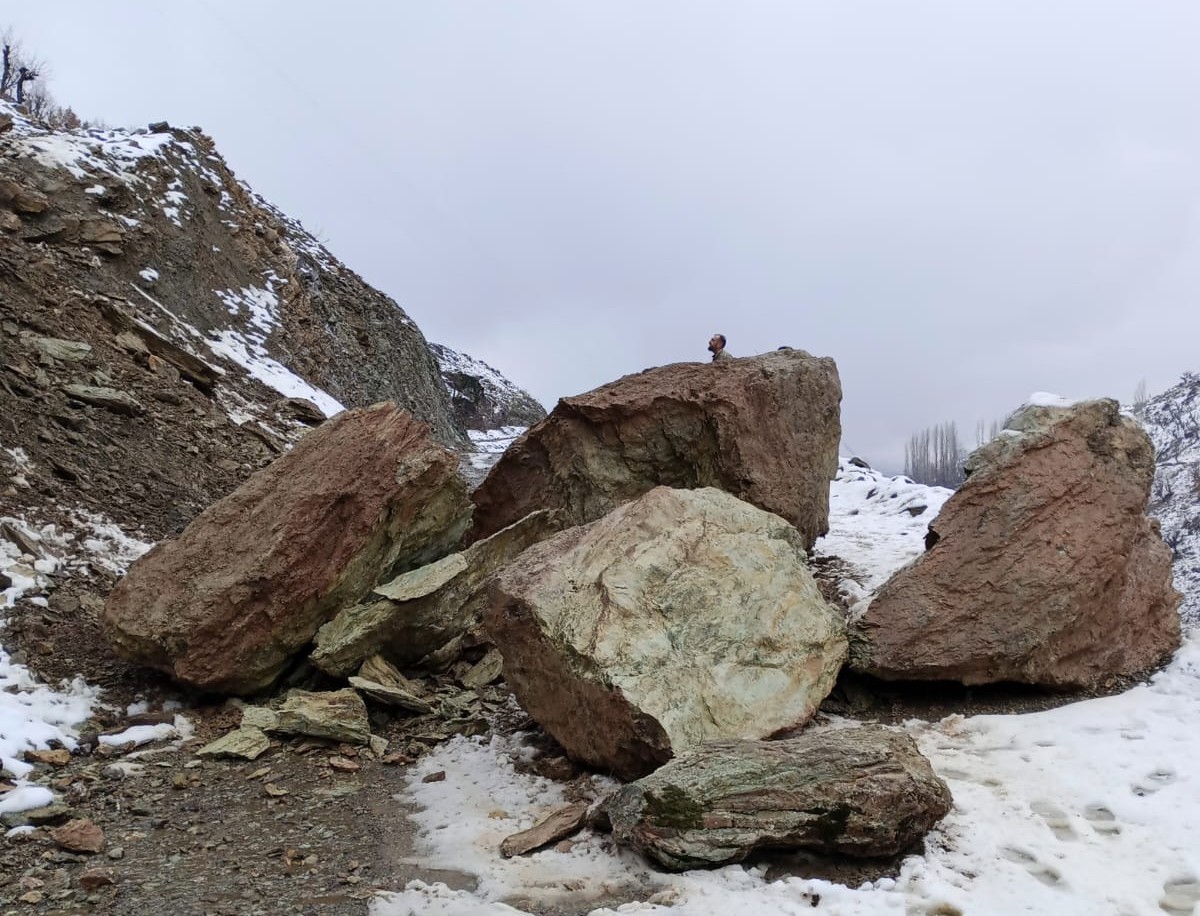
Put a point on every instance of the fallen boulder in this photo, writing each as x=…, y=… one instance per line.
x=764, y=428
x=682, y=617
x=865, y=792
x=421, y=611
x=248, y=583
x=1042, y=568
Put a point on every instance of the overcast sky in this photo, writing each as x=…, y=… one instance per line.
x=961, y=202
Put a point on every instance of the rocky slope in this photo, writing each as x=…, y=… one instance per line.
x=1172, y=419
x=155, y=318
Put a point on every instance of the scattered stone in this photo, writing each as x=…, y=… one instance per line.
x=338, y=715
x=79, y=835
x=20, y=199
x=299, y=409
x=391, y=696
x=259, y=717
x=226, y=605
x=557, y=825
x=864, y=792
x=343, y=765
x=245, y=743
x=486, y=671
x=274, y=791
x=59, y=757
x=31, y=897
x=53, y=813
x=560, y=769
x=764, y=428
x=67, y=351
x=378, y=745
x=116, y=853
x=111, y=399
x=439, y=776
x=683, y=617
x=1042, y=568
x=381, y=671
x=96, y=878
x=426, y=608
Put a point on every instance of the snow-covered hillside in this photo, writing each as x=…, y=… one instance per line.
x=482, y=398
x=1173, y=422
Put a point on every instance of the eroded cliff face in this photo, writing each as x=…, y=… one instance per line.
x=157, y=322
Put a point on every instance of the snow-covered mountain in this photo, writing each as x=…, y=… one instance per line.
x=481, y=398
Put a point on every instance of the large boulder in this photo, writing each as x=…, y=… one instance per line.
x=864, y=792
x=682, y=617
x=764, y=428
x=1042, y=568
x=247, y=584
x=420, y=611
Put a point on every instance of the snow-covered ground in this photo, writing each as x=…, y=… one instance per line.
x=1086, y=809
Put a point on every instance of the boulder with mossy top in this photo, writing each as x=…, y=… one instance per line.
x=865, y=792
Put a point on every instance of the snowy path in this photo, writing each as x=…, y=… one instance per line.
x=1085, y=809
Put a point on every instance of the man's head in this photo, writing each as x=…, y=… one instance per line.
x=717, y=344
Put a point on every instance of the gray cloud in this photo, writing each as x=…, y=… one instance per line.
x=962, y=203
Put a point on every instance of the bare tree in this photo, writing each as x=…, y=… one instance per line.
x=17, y=69
x=934, y=456
x=1140, y=397
x=985, y=432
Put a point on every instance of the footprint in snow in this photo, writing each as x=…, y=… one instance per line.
x=1153, y=782
x=1102, y=820
x=1180, y=896
x=1028, y=861
x=1055, y=817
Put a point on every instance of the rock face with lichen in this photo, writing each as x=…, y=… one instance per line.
x=865, y=792
x=764, y=428
x=682, y=617
x=226, y=605
x=1042, y=568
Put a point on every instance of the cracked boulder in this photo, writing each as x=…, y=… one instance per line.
x=682, y=617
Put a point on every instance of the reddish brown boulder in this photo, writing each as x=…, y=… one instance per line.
x=1043, y=568
x=248, y=583
x=764, y=428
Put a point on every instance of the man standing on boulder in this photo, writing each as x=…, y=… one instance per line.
x=717, y=347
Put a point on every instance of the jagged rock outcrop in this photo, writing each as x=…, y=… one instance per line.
x=682, y=617
x=248, y=583
x=1042, y=568
x=863, y=792
x=480, y=397
x=764, y=428
x=421, y=611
